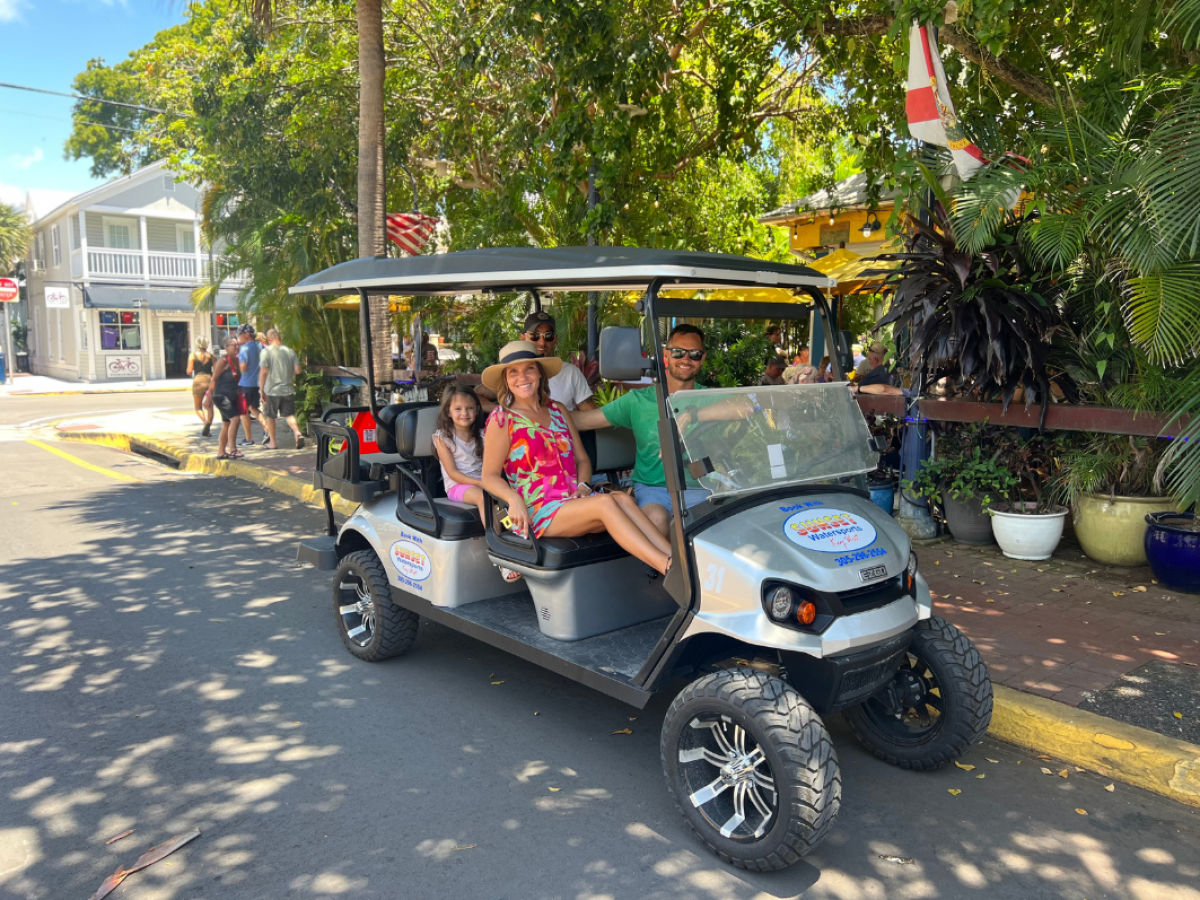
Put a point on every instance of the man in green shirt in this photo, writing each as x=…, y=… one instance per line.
x=638, y=410
x=278, y=368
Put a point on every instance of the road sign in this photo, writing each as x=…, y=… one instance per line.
x=58, y=298
x=9, y=292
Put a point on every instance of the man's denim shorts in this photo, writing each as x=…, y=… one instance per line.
x=646, y=494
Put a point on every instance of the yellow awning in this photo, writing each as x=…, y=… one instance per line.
x=351, y=302
x=848, y=268
x=738, y=295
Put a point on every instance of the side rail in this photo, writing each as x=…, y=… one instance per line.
x=404, y=511
x=511, y=545
x=341, y=469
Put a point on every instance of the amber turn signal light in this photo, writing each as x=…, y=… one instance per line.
x=806, y=614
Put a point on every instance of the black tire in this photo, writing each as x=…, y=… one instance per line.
x=937, y=707
x=371, y=625
x=794, y=756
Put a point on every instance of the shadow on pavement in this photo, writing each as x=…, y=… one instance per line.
x=173, y=667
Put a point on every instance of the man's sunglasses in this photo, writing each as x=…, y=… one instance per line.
x=541, y=336
x=680, y=353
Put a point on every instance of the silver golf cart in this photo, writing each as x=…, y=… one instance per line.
x=791, y=596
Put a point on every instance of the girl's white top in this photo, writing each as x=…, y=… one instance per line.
x=464, y=457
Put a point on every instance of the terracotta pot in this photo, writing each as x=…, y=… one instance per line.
x=968, y=522
x=1113, y=530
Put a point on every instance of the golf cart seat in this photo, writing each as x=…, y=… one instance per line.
x=406, y=429
x=346, y=470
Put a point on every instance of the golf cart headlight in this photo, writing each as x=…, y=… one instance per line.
x=781, y=603
x=910, y=574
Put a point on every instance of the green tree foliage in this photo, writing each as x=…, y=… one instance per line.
x=15, y=235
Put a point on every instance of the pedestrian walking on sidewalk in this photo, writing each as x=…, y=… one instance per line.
x=248, y=364
x=223, y=394
x=278, y=369
x=200, y=367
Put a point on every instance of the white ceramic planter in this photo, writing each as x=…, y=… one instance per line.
x=1026, y=536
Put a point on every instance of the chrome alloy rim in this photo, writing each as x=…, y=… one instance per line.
x=727, y=777
x=358, y=617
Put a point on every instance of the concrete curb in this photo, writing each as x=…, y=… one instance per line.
x=1125, y=753
x=291, y=485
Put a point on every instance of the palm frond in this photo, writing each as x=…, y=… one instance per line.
x=1163, y=309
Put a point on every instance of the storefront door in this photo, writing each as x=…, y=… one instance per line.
x=175, y=348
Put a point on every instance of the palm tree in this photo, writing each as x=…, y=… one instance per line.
x=372, y=185
x=1117, y=222
x=15, y=235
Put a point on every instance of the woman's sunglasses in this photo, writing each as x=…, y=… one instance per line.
x=680, y=353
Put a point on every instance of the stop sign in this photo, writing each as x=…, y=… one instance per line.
x=8, y=290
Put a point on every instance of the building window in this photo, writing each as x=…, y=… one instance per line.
x=56, y=244
x=120, y=329
x=118, y=234
x=168, y=184
x=39, y=252
x=185, y=238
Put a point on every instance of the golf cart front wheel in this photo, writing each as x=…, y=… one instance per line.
x=751, y=767
x=371, y=625
x=938, y=705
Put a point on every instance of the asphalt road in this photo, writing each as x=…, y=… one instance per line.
x=166, y=665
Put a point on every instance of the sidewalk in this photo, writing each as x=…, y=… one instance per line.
x=43, y=385
x=1096, y=665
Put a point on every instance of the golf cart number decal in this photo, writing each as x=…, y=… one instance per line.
x=860, y=555
x=716, y=577
x=872, y=572
x=829, y=530
x=410, y=561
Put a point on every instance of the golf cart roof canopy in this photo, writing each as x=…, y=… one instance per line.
x=504, y=269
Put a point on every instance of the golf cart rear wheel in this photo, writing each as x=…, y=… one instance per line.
x=751, y=767
x=938, y=705
x=371, y=625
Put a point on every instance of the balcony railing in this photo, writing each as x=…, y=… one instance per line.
x=103, y=262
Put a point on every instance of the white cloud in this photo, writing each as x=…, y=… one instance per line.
x=12, y=195
x=24, y=162
x=10, y=10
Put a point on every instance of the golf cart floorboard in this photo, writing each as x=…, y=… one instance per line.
x=606, y=662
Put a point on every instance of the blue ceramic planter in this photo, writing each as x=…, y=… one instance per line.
x=883, y=496
x=1173, y=550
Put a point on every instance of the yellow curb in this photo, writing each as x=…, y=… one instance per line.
x=280, y=482
x=1123, y=752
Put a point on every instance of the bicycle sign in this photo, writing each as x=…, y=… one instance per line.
x=123, y=367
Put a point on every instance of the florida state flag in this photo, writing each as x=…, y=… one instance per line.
x=931, y=115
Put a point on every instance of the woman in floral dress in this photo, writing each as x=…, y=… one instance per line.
x=534, y=462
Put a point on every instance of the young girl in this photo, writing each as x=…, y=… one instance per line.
x=458, y=441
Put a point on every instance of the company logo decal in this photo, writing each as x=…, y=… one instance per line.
x=410, y=561
x=829, y=530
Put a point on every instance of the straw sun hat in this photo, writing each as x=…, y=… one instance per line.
x=519, y=351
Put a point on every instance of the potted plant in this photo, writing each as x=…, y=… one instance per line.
x=1029, y=523
x=965, y=486
x=1112, y=483
x=1173, y=550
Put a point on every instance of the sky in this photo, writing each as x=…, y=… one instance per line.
x=45, y=44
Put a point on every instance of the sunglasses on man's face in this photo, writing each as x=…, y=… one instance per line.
x=680, y=353
x=546, y=336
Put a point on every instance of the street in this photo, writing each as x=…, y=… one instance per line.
x=165, y=664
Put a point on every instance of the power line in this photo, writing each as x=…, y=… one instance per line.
x=21, y=87
x=29, y=115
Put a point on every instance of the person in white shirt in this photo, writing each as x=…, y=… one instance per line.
x=569, y=387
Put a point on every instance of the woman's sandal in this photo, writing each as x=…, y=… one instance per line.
x=222, y=456
x=237, y=454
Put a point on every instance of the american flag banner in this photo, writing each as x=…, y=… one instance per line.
x=931, y=116
x=410, y=231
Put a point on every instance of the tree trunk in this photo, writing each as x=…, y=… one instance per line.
x=372, y=186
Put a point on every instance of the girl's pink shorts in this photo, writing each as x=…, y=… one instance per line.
x=456, y=491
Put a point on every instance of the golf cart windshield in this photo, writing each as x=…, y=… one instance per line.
x=742, y=440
